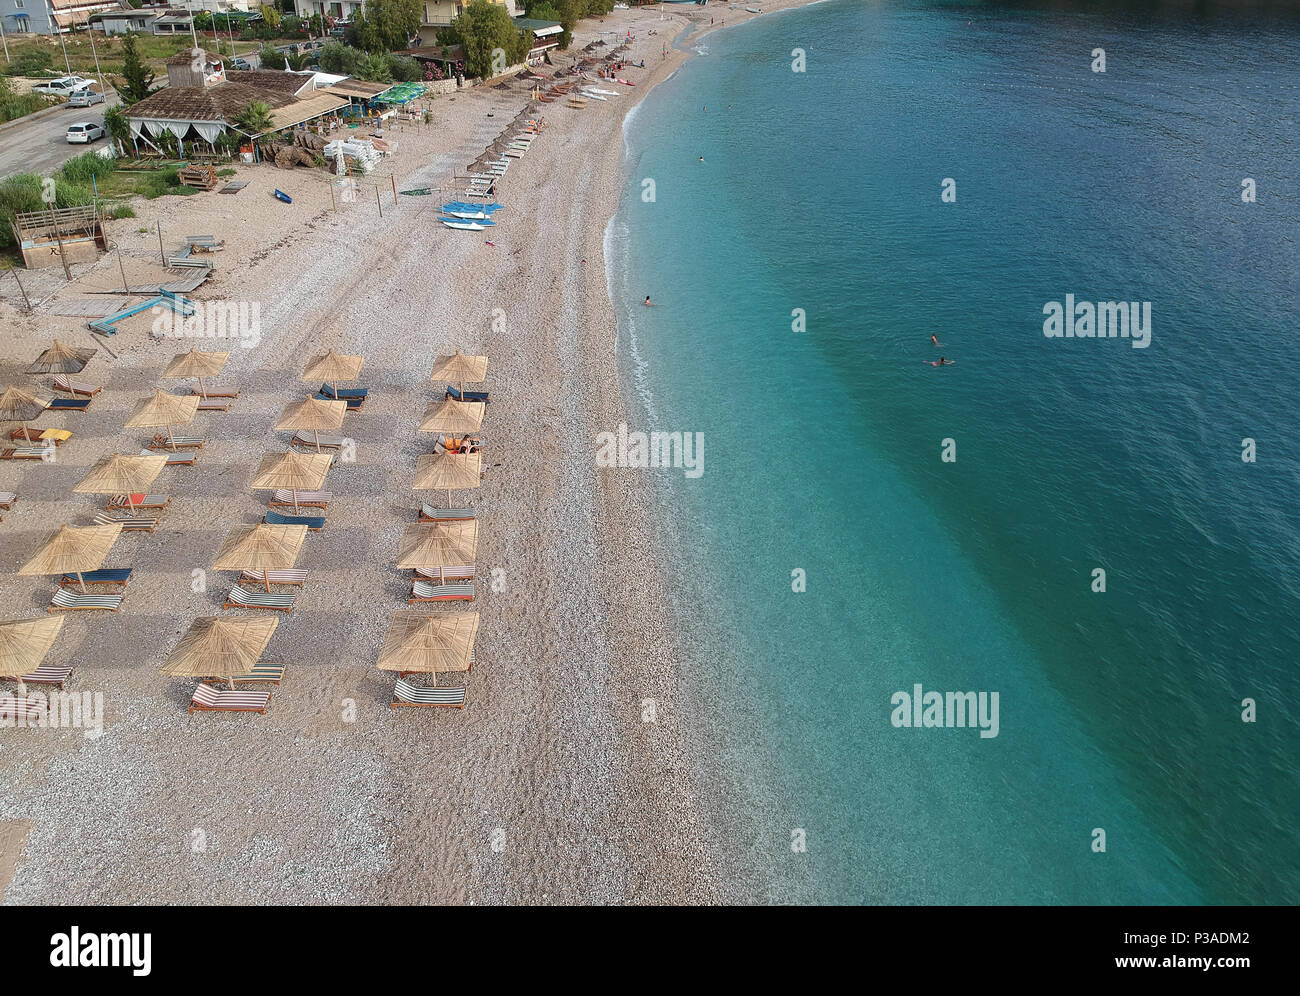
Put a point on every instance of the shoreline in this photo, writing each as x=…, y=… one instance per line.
x=300, y=805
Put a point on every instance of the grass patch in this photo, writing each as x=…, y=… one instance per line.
x=225, y=172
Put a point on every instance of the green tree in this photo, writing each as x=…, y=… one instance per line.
x=119, y=129
x=137, y=80
x=373, y=68
x=485, y=27
x=386, y=25
x=335, y=57
x=269, y=58
x=255, y=119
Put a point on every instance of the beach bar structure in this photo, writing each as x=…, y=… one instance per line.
x=49, y=238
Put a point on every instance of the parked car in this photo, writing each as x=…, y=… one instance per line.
x=62, y=87
x=241, y=63
x=86, y=97
x=84, y=131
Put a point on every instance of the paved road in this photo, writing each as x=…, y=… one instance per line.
x=41, y=146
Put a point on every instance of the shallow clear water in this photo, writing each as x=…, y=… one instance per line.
x=821, y=191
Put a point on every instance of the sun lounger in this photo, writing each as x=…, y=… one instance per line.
x=463, y=572
x=174, y=459
x=343, y=392
x=242, y=598
x=211, y=392
x=64, y=383
x=212, y=404
x=8, y=499
x=29, y=711
x=312, y=499
x=129, y=523
x=68, y=405
x=56, y=436
x=209, y=698
x=105, y=575
x=262, y=673
x=313, y=522
x=24, y=453
x=423, y=591
x=145, y=501
x=430, y=514
x=406, y=694
x=454, y=395
x=295, y=576
x=327, y=442
x=67, y=600
x=354, y=404
x=46, y=674
x=161, y=442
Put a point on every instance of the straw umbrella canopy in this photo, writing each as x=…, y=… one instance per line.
x=72, y=550
x=460, y=368
x=292, y=471
x=332, y=367
x=120, y=474
x=429, y=644
x=262, y=547
x=313, y=414
x=198, y=365
x=220, y=647
x=62, y=359
x=453, y=416
x=433, y=546
x=165, y=409
x=24, y=644
x=18, y=406
x=448, y=472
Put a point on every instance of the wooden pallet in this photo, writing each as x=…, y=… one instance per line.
x=202, y=177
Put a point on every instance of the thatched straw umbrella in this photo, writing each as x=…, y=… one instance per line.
x=120, y=474
x=429, y=644
x=460, y=368
x=448, y=472
x=24, y=644
x=165, y=409
x=72, y=550
x=17, y=405
x=433, y=546
x=260, y=547
x=196, y=364
x=62, y=359
x=456, y=417
x=294, y=471
x=332, y=367
x=313, y=414
x=220, y=647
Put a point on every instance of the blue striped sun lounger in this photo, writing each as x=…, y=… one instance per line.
x=295, y=576
x=343, y=392
x=455, y=395
x=67, y=600
x=283, y=498
x=68, y=405
x=241, y=598
x=354, y=404
x=407, y=694
x=313, y=522
x=105, y=575
x=263, y=673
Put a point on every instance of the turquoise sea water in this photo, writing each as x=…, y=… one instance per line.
x=821, y=191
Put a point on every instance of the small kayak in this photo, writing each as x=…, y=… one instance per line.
x=281, y=195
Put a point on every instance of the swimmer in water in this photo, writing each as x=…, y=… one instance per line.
x=935, y=340
x=942, y=361
x=647, y=302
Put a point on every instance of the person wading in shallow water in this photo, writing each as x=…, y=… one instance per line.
x=647, y=302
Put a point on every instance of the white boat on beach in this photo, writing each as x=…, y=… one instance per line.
x=465, y=225
x=592, y=95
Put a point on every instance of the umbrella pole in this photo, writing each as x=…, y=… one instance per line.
x=27, y=435
x=202, y=393
x=267, y=575
x=130, y=502
x=171, y=439
x=22, y=689
x=449, y=497
x=295, y=501
x=83, y=582
x=316, y=436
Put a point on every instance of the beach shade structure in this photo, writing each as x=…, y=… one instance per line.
x=330, y=368
x=429, y=644
x=220, y=647
x=165, y=409
x=292, y=472
x=73, y=550
x=456, y=417
x=432, y=546
x=17, y=405
x=312, y=414
x=460, y=368
x=197, y=365
x=448, y=472
x=118, y=474
x=24, y=644
x=261, y=548
x=62, y=359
